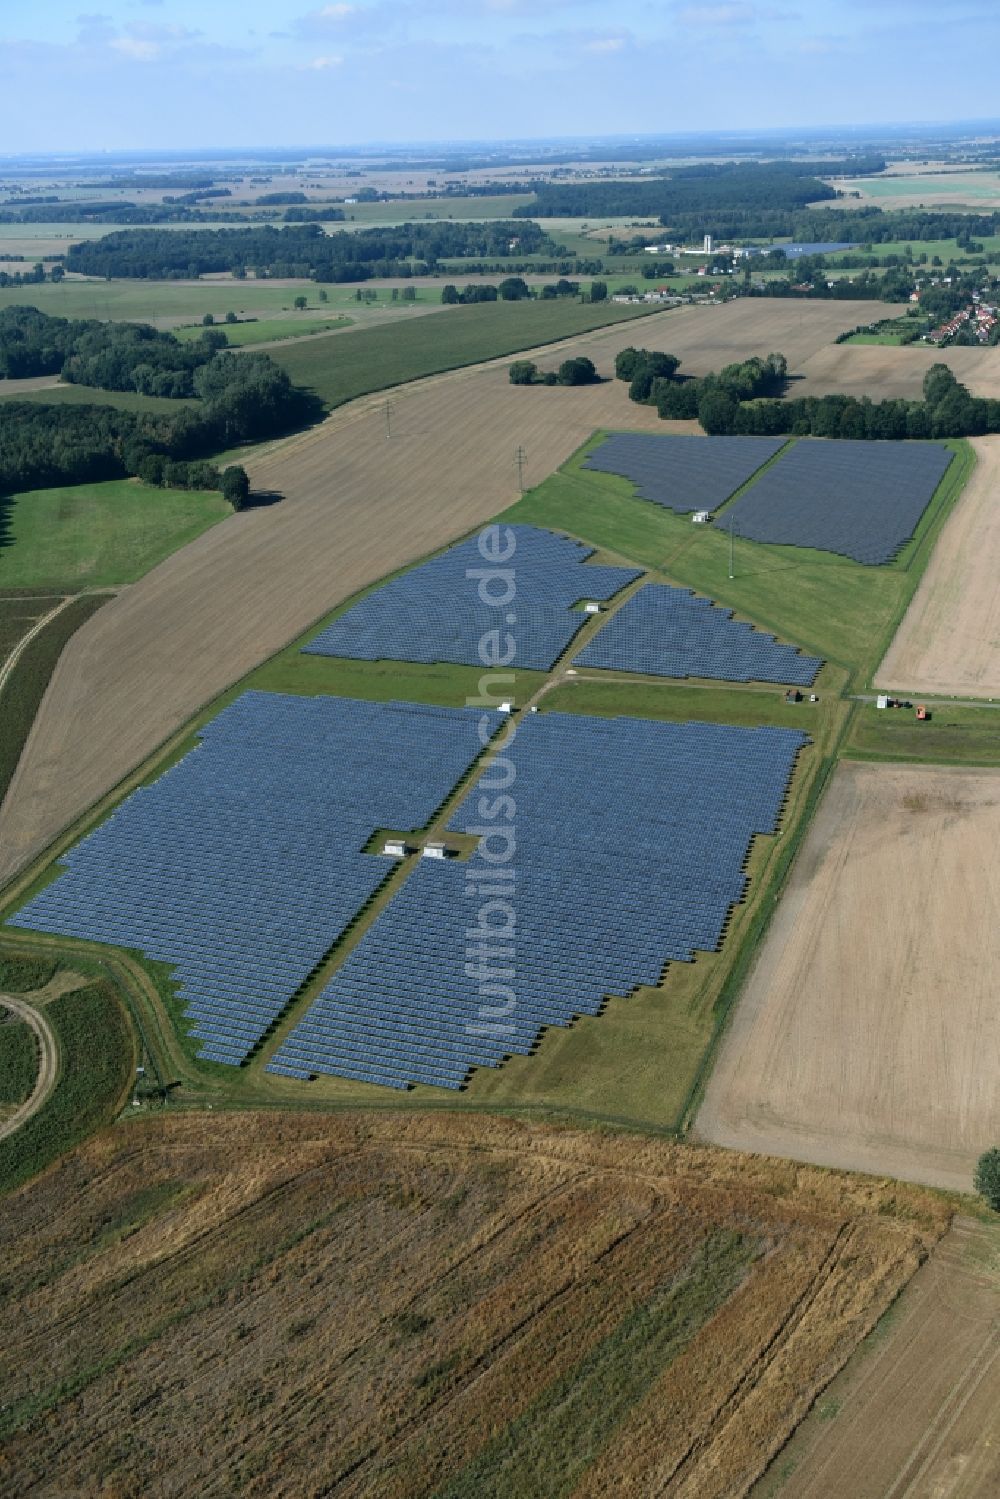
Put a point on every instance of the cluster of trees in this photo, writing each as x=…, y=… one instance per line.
x=240, y=397
x=114, y=356
x=516, y=289
x=653, y=381
x=299, y=250
x=579, y=371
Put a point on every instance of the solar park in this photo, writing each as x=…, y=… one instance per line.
x=627, y=859
x=683, y=473
x=433, y=613
x=862, y=500
x=245, y=864
x=671, y=632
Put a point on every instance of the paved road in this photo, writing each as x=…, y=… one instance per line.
x=48, y=1066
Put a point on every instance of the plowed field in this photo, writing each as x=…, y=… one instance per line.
x=364, y=1305
x=868, y=1035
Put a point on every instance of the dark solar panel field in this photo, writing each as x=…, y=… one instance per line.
x=862, y=500
x=434, y=612
x=631, y=841
x=669, y=632
x=683, y=473
x=243, y=864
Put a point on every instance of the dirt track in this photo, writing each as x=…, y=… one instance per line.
x=355, y=507
x=916, y=1414
x=868, y=1036
x=949, y=640
x=48, y=1064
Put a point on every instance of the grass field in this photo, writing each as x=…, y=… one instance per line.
x=457, y=1307
x=956, y=187
x=145, y=301
x=91, y=1087
x=93, y=395
x=266, y=330
x=18, y=1061
x=340, y=369
x=952, y=736
x=97, y=535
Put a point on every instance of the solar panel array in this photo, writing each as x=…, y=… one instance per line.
x=434, y=613
x=862, y=500
x=243, y=864
x=670, y=632
x=683, y=473
x=632, y=838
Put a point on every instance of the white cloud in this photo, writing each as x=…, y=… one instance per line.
x=338, y=12
x=137, y=49
x=605, y=44
x=320, y=64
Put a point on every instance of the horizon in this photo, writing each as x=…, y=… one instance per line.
x=386, y=71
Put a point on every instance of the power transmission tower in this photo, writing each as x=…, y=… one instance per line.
x=520, y=458
x=388, y=419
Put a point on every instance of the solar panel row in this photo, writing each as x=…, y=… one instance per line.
x=631, y=841
x=669, y=632
x=243, y=864
x=862, y=500
x=683, y=473
x=434, y=612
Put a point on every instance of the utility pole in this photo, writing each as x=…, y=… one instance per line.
x=731, y=574
x=520, y=458
x=388, y=419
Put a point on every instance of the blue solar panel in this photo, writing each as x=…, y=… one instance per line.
x=862, y=500
x=670, y=632
x=243, y=864
x=434, y=612
x=631, y=845
x=679, y=472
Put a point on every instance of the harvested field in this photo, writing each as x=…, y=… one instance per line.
x=363, y=1304
x=916, y=1412
x=949, y=640
x=883, y=372
x=355, y=506
x=868, y=1035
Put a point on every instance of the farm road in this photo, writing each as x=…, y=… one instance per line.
x=48, y=1064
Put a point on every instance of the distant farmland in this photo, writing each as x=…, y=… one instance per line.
x=465, y=1308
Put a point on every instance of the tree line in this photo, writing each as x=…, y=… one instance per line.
x=746, y=400
x=298, y=250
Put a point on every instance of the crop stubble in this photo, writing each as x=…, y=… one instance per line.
x=949, y=640
x=373, y=1303
x=868, y=1035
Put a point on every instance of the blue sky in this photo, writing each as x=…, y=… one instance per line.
x=147, y=74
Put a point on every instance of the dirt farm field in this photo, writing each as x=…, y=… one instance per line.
x=355, y=506
x=916, y=1412
x=949, y=639
x=883, y=372
x=367, y=1305
x=868, y=1035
